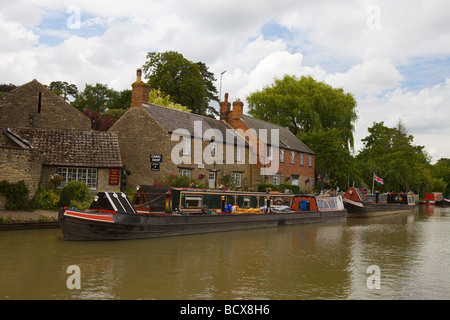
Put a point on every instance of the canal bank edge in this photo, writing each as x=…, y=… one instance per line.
x=10, y=220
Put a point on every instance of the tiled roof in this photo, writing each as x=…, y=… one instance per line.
x=171, y=119
x=287, y=139
x=74, y=148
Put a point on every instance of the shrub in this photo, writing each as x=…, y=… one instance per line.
x=295, y=189
x=181, y=182
x=263, y=187
x=47, y=199
x=16, y=195
x=77, y=191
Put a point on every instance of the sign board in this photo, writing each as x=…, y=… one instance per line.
x=155, y=166
x=114, y=176
x=156, y=158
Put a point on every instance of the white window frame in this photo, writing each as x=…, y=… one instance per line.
x=237, y=179
x=310, y=160
x=292, y=157
x=185, y=172
x=281, y=155
x=276, y=179
x=88, y=176
x=301, y=158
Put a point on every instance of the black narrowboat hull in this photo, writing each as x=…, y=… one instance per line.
x=85, y=225
x=366, y=210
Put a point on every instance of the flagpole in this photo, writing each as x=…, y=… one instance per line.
x=373, y=179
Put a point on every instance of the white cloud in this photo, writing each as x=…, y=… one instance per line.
x=373, y=76
x=362, y=46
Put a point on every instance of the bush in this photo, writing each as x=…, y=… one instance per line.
x=47, y=199
x=181, y=182
x=263, y=186
x=77, y=191
x=295, y=189
x=16, y=195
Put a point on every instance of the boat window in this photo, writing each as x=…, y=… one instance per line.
x=193, y=201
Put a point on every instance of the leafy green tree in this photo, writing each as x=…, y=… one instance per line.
x=305, y=105
x=96, y=97
x=441, y=173
x=160, y=99
x=120, y=99
x=187, y=83
x=390, y=153
x=333, y=159
x=63, y=89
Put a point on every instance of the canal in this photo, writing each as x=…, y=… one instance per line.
x=397, y=257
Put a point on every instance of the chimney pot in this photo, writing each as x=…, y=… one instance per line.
x=238, y=108
x=224, y=108
x=140, y=91
x=138, y=75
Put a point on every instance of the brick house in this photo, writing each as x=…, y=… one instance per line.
x=41, y=134
x=295, y=159
x=187, y=144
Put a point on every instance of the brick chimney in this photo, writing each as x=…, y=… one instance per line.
x=224, y=108
x=238, y=109
x=140, y=91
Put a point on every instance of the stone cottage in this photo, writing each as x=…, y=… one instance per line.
x=157, y=142
x=41, y=134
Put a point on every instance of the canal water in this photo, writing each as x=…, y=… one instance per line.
x=403, y=257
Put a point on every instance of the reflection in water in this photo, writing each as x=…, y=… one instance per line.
x=317, y=261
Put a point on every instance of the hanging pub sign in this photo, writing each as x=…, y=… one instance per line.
x=156, y=158
x=114, y=176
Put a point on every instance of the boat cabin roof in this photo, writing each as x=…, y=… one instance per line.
x=113, y=201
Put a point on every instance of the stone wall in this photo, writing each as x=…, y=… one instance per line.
x=21, y=164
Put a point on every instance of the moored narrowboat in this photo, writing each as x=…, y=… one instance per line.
x=157, y=211
x=360, y=204
x=433, y=198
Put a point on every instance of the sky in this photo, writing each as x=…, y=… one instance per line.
x=392, y=56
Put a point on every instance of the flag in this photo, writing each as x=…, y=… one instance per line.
x=378, y=179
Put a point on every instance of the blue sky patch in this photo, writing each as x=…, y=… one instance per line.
x=56, y=28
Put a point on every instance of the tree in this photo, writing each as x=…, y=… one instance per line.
x=333, y=158
x=95, y=97
x=305, y=105
x=63, y=89
x=187, y=83
x=390, y=153
x=441, y=174
x=158, y=98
